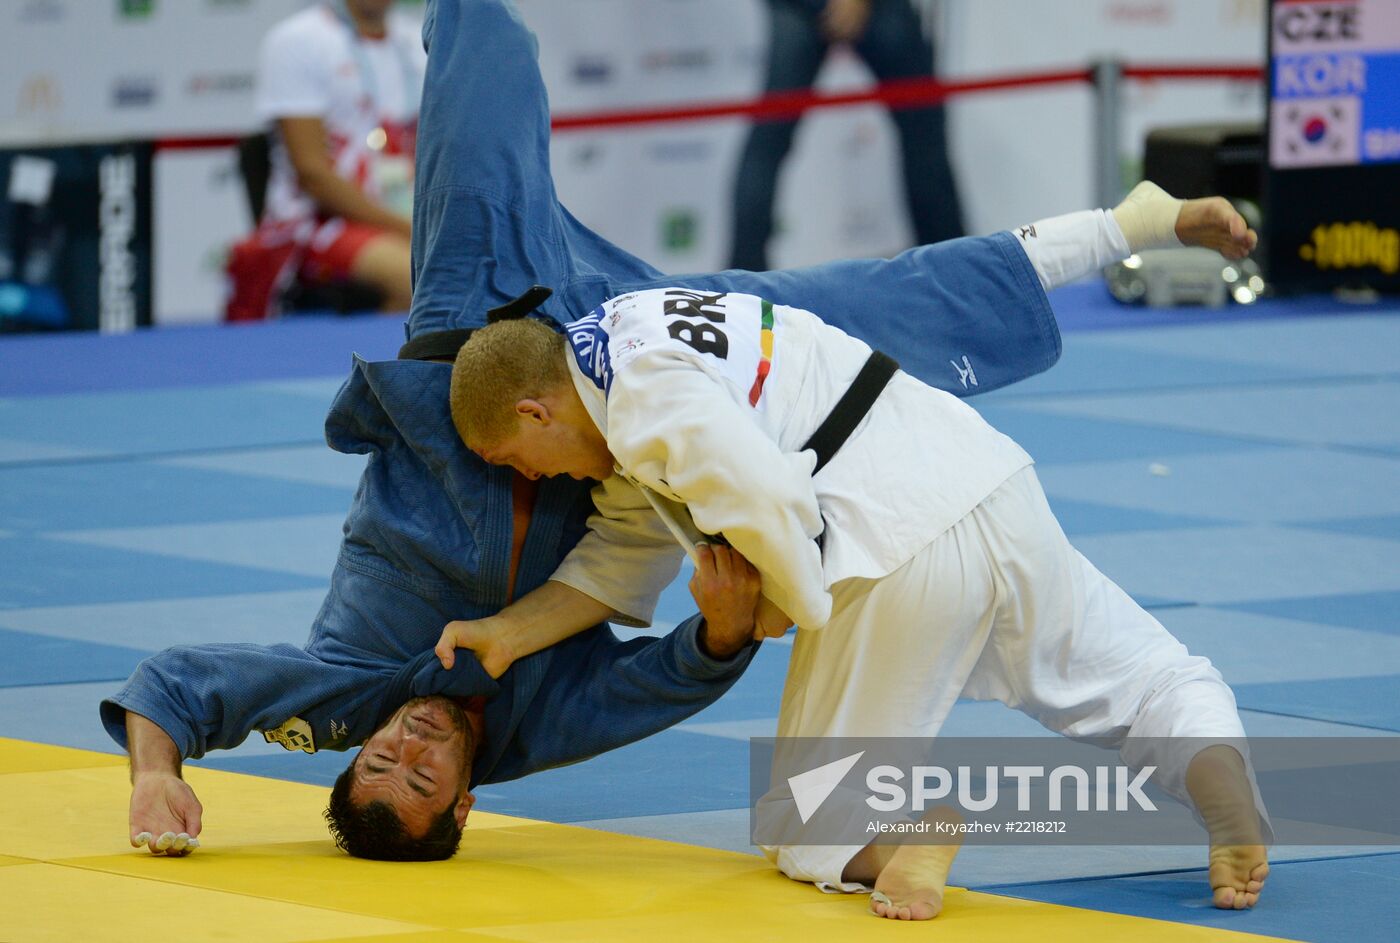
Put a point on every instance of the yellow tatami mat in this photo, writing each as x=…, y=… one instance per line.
x=268, y=873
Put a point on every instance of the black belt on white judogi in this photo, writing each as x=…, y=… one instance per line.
x=852, y=407
x=835, y=429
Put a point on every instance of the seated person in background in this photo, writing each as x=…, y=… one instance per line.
x=339, y=84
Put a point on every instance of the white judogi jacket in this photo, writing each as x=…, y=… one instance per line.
x=705, y=400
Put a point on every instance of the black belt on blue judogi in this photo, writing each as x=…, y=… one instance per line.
x=835, y=429
x=443, y=345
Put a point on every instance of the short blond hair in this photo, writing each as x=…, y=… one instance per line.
x=498, y=366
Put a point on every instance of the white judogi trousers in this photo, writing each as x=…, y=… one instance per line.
x=999, y=607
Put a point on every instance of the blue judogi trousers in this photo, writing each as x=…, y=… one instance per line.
x=487, y=225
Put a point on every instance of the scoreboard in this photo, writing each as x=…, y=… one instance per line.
x=1332, y=184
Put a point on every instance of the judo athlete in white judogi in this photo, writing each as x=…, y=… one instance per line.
x=920, y=563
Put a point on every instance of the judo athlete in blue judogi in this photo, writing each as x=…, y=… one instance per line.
x=435, y=534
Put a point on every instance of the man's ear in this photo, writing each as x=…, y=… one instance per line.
x=532, y=410
x=464, y=805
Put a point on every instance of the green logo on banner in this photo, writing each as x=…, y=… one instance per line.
x=679, y=229
x=136, y=9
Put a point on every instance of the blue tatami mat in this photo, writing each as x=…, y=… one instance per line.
x=1087, y=306
x=1385, y=526
x=1343, y=900
x=1373, y=612
x=38, y=572
x=130, y=423
x=1366, y=701
x=1087, y=517
x=32, y=659
x=1330, y=340
x=193, y=356
x=1283, y=484
x=681, y=772
x=1091, y=365
x=1054, y=438
x=1237, y=472
x=105, y=494
x=1339, y=412
x=319, y=769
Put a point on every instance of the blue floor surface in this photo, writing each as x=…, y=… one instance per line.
x=1337, y=899
x=1237, y=472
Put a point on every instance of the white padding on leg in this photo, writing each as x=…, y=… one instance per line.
x=1066, y=248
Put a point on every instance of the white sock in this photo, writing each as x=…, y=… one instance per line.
x=1066, y=248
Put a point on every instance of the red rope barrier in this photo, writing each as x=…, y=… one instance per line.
x=1251, y=73
x=195, y=143
x=907, y=93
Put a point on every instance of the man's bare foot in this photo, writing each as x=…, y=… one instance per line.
x=909, y=879
x=911, y=886
x=1214, y=223
x=1237, y=874
x=1219, y=785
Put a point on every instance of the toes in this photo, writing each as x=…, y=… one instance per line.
x=1224, y=898
x=892, y=911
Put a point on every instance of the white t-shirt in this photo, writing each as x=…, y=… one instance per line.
x=366, y=91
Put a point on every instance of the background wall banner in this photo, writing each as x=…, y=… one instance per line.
x=75, y=229
x=101, y=70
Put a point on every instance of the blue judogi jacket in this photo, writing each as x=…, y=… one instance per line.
x=428, y=537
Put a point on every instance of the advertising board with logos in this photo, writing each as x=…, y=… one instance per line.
x=1332, y=214
x=75, y=237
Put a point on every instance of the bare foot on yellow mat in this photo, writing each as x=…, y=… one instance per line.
x=1215, y=224
x=1219, y=785
x=910, y=886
